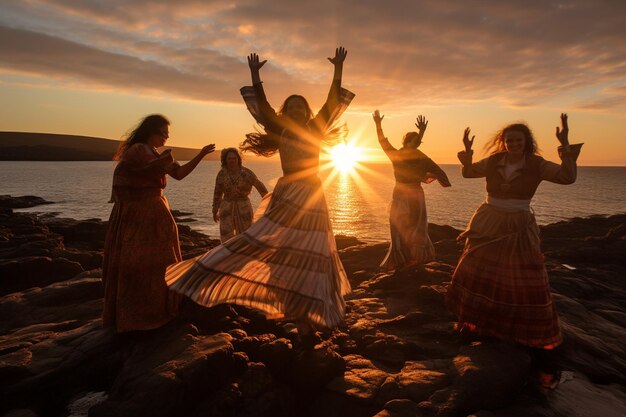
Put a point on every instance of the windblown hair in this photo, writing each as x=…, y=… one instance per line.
x=260, y=143
x=148, y=126
x=265, y=143
x=224, y=155
x=496, y=143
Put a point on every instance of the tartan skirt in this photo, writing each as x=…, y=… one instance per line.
x=286, y=264
x=500, y=286
x=410, y=243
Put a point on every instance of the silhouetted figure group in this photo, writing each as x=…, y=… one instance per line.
x=285, y=263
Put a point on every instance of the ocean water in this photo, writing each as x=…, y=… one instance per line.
x=358, y=203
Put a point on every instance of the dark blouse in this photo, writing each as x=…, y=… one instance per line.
x=523, y=183
x=412, y=166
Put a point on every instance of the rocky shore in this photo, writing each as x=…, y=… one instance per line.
x=397, y=354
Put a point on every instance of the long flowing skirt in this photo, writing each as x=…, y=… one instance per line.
x=235, y=217
x=500, y=286
x=286, y=264
x=141, y=241
x=410, y=243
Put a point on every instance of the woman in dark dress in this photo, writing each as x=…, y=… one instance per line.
x=410, y=243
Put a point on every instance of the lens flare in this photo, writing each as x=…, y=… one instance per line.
x=345, y=157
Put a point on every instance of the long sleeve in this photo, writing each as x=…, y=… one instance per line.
x=218, y=194
x=255, y=182
x=566, y=172
x=268, y=114
x=438, y=173
x=387, y=147
x=260, y=187
x=260, y=109
x=336, y=103
x=472, y=170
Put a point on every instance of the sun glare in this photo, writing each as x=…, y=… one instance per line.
x=345, y=156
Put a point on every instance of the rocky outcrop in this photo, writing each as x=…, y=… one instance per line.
x=397, y=354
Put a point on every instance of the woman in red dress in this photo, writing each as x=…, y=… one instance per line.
x=142, y=238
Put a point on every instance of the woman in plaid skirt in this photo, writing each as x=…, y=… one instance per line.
x=500, y=285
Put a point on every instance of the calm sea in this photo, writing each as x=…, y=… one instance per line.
x=358, y=205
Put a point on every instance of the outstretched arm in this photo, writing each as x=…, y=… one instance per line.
x=384, y=142
x=566, y=172
x=267, y=116
x=179, y=172
x=332, y=101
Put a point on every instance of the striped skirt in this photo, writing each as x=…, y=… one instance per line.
x=500, y=286
x=410, y=243
x=286, y=264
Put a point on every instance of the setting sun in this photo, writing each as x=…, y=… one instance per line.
x=345, y=156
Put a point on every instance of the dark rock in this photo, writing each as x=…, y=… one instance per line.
x=168, y=379
x=396, y=355
x=6, y=201
x=313, y=369
x=344, y=241
x=26, y=272
x=83, y=234
x=73, y=300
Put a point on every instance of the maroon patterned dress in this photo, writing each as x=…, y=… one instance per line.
x=141, y=241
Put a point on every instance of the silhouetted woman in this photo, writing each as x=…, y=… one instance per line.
x=142, y=238
x=500, y=286
x=410, y=243
x=286, y=264
x=231, y=197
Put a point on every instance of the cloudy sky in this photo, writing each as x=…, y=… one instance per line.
x=96, y=67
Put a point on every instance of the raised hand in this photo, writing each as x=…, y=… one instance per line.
x=377, y=117
x=340, y=56
x=467, y=141
x=421, y=124
x=562, y=134
x=254, y=63
x=208, y=149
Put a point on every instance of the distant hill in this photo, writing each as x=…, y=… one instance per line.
x=27, y=146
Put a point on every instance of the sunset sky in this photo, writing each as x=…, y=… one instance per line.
x=95, y=68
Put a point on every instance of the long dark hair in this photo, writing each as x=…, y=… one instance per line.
x=496, y=143
x=265, y=143
x=224, y=155
x=148, y=126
